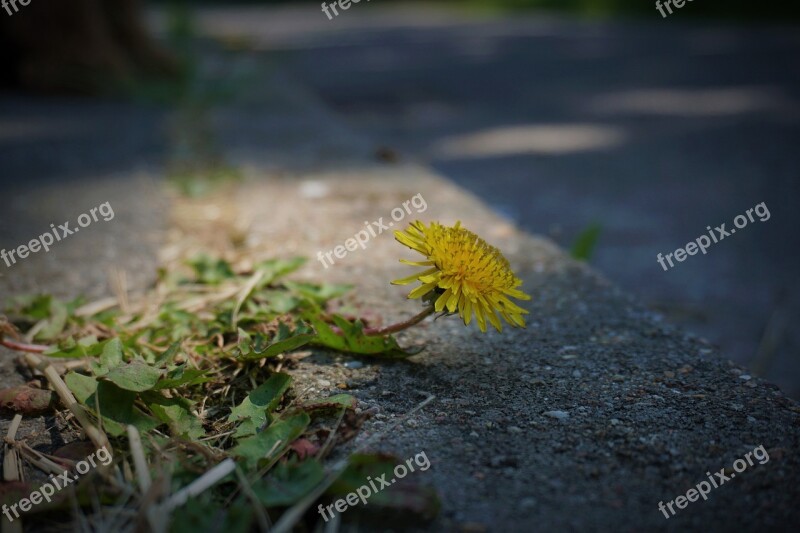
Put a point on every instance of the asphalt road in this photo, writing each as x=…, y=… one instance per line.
x=653, y=129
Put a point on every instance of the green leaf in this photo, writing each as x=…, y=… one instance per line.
x=318, y=293
x=135, y=376
x=277, y=268
x=288, y=483
x=168, y=356
x=353, y=340
x=85, y=347
x=253, y=411
x=407, y=498
x=359, y=467
x=211, y=271
x=181, y=376
x=243, y=342
x=277, y=301
x=56, y=321
x=284, y=341
x=115, y=405
x=272, y=441
x=584, y=245
x=177, y=414
x=31, y=307
x=205, y=513
x=50, y=314
x=81, y=386
x=110, y=358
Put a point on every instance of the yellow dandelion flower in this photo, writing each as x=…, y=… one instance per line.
x=464, y=274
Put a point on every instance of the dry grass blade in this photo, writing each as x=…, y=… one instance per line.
x=96, y=307
x=139, y=461
x=244, y=293
x=12, y=466
x=12, y=469
x=118, y=278
x=264, y=522
x=200, y=485
x=97, y=436
x=65, y=366
x=38, y=459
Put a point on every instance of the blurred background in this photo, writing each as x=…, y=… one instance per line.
x=616, y=132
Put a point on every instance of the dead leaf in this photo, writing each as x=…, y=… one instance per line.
x=75, y=451
x=304, y=448
x=27, y=401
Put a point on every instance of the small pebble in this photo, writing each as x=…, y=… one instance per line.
x=411, y=423
x=514, y=429
x=354, y=364
x=746, y=377
x=560, y=415
x=576, y=374
x=324, y=383
x=473, y=434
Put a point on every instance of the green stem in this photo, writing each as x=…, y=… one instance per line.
x=400, y=326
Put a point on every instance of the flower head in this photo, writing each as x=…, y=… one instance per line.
x=464, y=274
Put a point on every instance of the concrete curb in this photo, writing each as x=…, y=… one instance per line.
x=587, y=419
